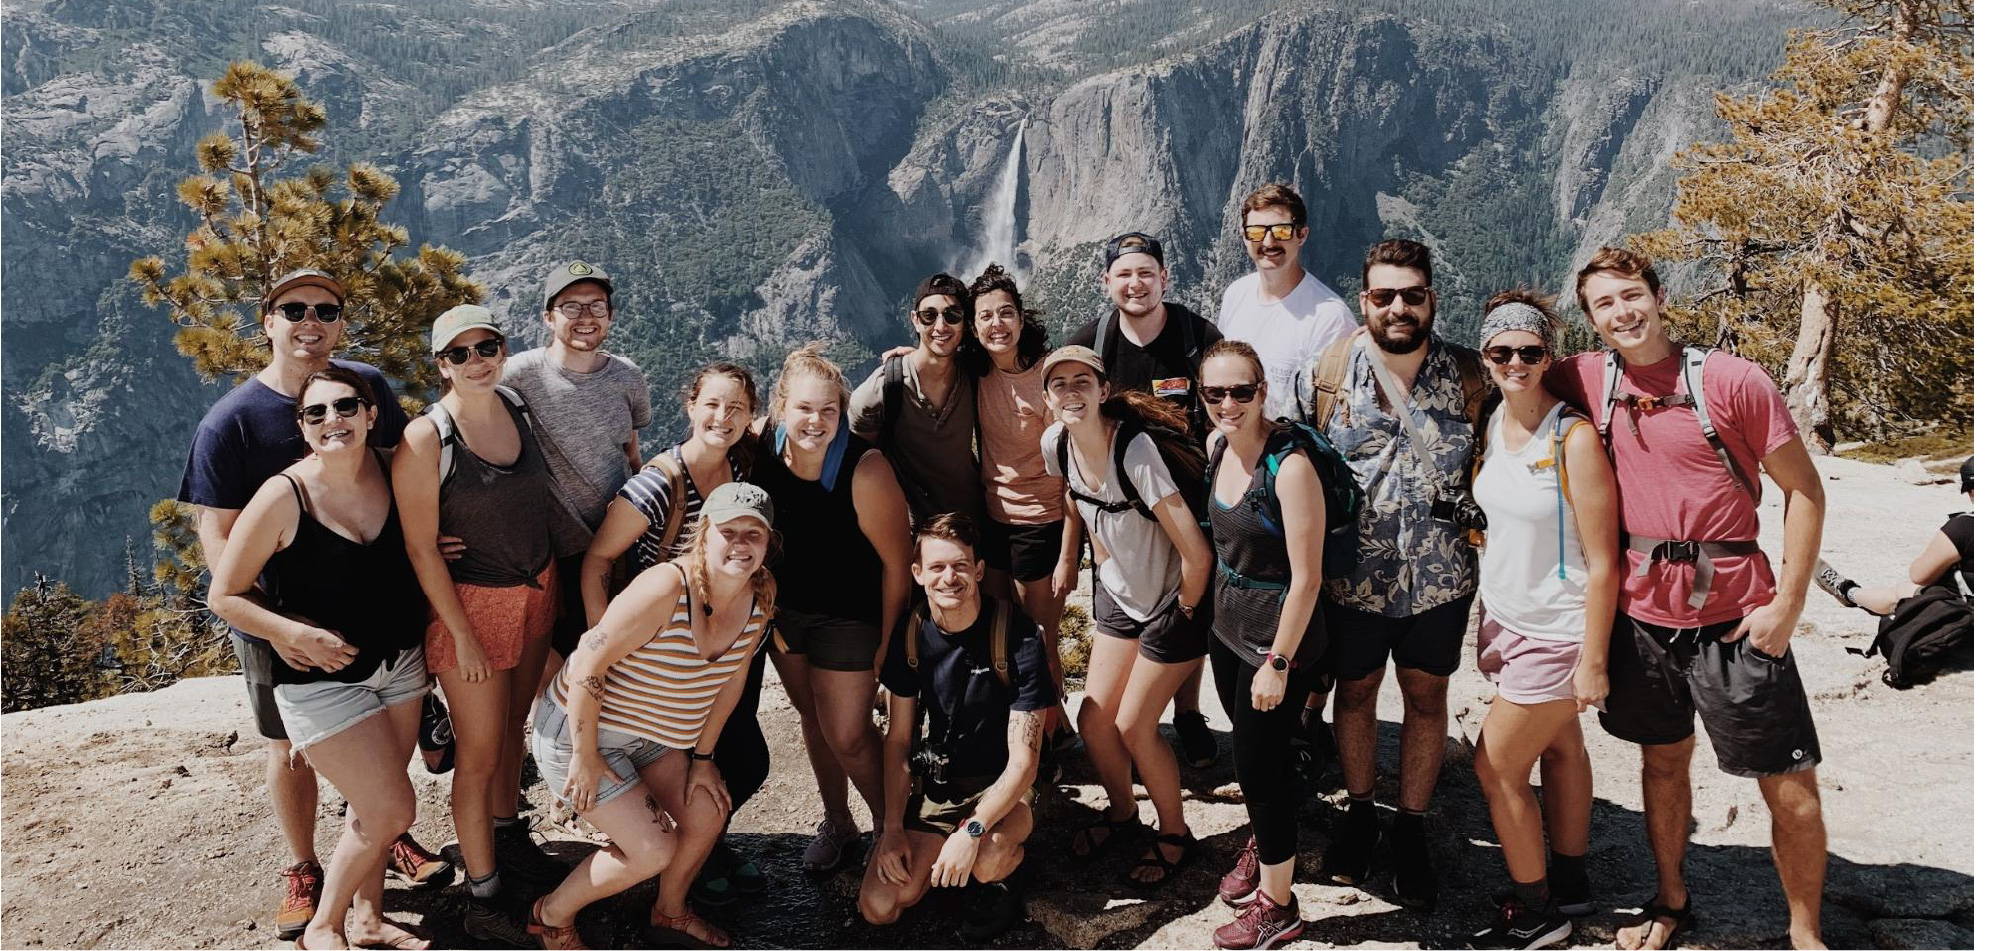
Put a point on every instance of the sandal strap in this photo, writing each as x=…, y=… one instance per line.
x=560, y=933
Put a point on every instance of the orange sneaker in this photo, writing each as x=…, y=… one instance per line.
x=408, y=861
x=302, y=884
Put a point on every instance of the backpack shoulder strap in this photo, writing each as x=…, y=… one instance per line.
x=1482, y=425
x=913, y=619
x=1614, y=376
x=1331, y=379
x=675, y=480
x=1693, y=380
x=1192, y=344
x=1099, y=333
x=1472, y=381
x=447, y=437
x=999, y=640
x=1122, y=439
x=1567, y=419
x=894, y=392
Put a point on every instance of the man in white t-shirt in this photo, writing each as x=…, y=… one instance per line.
x=1285, y=313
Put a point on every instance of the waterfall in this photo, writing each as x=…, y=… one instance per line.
x=998, y=243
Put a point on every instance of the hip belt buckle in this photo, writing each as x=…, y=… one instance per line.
x=1677, y=551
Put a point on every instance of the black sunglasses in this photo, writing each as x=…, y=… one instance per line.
x=485, y=348
x=1382, y=296
x=1242, y=392
x=1283, y=231
x=294, y=311
x=1503, y=355
x=926, y=317
x=346, y=406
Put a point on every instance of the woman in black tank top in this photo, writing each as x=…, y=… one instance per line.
x=1267, y=629
x=843, y=578
x=346, y=615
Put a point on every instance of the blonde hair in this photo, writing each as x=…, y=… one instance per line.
x=809, y=361
x=692, y=560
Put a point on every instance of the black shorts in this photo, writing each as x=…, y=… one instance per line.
x=1753, y=705
x=1166, y=638
x=830, y=643
x=1025, y=552
x=258, y=660
x=1362, y=643
x=938, y=809
x=572, y=620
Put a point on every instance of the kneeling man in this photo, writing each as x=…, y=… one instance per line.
x=957, y=800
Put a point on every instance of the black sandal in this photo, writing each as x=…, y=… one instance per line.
x=1680, y=919
x=1152, y=858
x=1117, y=831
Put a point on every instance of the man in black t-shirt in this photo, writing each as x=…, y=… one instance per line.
x=957, y=811
x=1157, y=348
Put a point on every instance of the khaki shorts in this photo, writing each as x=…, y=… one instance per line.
x=940, y=809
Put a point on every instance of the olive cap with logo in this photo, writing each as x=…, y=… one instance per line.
x=567, y=275
x=1074, y=353
x=304, y=277
x=456, y=320
x=738, y=500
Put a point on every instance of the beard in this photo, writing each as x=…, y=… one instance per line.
x=1399, y=345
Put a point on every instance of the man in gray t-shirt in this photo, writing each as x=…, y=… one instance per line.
x=588, y=405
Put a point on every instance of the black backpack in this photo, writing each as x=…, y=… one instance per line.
x=1340, y=489
x=1188, y=468
x=1926, y=633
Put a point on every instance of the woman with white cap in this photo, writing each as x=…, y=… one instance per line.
x=640, y=707
x=470, y=467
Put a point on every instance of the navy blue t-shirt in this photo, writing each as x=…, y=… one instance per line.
x=967, y=706
x=251, y=434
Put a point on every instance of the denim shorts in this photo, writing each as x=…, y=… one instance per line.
x=553, y=750
x=313, y=712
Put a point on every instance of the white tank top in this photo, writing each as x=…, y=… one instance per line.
x=1520, y=586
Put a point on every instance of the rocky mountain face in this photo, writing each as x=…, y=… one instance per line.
x=760, y=174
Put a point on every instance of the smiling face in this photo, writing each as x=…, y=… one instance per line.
x=939, y=338
x=583, y=333
x=1270, y=253
x=948, y=571
x=1072, y=392
x=477, y=372
x=1228, y=372
x=810, y=413
x=1135, y=283
x=309, y=340
x=736, y=548
x=1398, y=327
x=719, y=411
x=1516, y=376
x=998, y=322
x=334, y=434
x=1625, y=311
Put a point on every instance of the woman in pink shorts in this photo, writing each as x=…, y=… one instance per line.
x=1548, y=587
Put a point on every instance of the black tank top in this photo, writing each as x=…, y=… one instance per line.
x=504, y=514
x=367, y=594
x=827, y=564
x=1252, y=577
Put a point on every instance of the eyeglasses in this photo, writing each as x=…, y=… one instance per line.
x=294, y=311
x=573, y=309
x=1242, y=393
x=484, y=348
x=926, y=317
x=1383, y=296
x=346, y=406
x=1283, y=231
x=1503, y=355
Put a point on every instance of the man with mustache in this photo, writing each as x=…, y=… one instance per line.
x=1284, y=312
x=1398, y=404
x=920, y=412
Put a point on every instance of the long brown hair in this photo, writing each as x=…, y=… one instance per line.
x=740, y=455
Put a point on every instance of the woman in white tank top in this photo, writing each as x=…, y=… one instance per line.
x=1548, y=590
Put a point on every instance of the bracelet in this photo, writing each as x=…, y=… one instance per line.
x=698, y=757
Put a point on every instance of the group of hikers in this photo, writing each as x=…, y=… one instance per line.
x=1293, y=496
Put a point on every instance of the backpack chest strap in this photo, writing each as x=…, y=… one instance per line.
x=1702, y=554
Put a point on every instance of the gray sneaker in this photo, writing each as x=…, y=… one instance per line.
x=831, y=847
x=1835, y=584
x=486, y=920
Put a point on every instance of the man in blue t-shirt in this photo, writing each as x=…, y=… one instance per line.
x=958, y=811
x=246, y=438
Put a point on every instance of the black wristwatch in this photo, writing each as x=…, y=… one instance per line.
x=696, y=756
x=1278, y=662
x=973, y=827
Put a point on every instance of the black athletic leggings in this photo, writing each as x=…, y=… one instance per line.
x=742, y=751
x=1261, y=745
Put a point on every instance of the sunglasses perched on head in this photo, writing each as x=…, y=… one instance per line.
x=926, y=316
x=1383, y=296
x=346, y=406
x=483, y=348
x=294, y=311
x=1283, y=231
x=1500, y=356
x=1242, y=393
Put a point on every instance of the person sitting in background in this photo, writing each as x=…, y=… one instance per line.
x=1946, y=561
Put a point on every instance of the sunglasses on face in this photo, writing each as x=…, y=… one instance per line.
x=1383, y=296
x=1283, y=231
x=573, y=309
x=346, y=406
x=1499, y=356
x=926, y=317
x=1242, y=393
x=484, y=348
x=294, y=311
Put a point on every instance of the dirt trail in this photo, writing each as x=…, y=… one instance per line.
x=139, y=821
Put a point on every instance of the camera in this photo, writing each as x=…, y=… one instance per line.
x=929, y=764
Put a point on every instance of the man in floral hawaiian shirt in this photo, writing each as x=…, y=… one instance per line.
x=1415, y=575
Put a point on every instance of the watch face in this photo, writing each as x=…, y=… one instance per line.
x=1278, y=662
x=974, y=829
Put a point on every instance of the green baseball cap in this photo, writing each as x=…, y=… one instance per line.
x=566, y=275
x=458, y=319
x=738, y=499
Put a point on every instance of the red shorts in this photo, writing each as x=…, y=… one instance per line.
x=503, y=620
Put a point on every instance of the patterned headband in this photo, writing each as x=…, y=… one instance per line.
x=1515, y=315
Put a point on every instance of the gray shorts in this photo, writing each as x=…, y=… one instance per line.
x=553, y=749
x=314, y=711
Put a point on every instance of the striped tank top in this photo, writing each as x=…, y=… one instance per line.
x=664, y=690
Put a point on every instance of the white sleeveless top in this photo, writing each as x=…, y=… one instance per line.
x=1519, y=583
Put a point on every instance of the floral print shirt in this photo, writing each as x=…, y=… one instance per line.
x=1408, y=562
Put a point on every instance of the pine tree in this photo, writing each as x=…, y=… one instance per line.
x=44, y=656
x=1834, y=232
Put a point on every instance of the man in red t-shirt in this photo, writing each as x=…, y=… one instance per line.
x=1703, y=625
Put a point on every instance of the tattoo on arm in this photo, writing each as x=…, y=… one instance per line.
x=1027, y=728
x=594, y=686
x=595, y=639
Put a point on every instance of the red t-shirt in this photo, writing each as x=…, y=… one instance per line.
x=1672, y=485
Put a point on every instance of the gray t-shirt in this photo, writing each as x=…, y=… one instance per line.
x=1133, y=559
x=932, y=448
x=584, y=420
